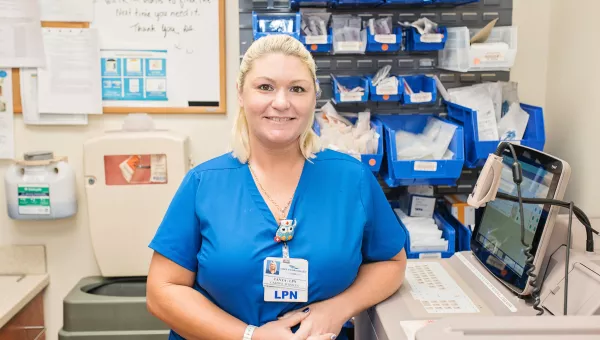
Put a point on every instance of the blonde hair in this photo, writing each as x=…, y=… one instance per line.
x=287, y=45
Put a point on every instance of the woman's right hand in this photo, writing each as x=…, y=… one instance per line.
x=282, y=329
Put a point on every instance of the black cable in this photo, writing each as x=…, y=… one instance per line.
x=566, y=293
x=581, y=216
x=589, y=247
x=517, y=179
x=578, y=212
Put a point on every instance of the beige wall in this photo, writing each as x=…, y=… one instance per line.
x=556, y=69
x=68, y=244
x=531, y=64
x=572, y=111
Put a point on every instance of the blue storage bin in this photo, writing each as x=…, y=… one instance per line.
x=378, y=46
x=374, y=97
x=477, y=152
x=457, y=112
x=357, y=2
x=448, y=233
x=350, y=82
x=414, y=40
x=416, y=172
x=293, y=21
x=463, y=233
x=300, y=3
x=372, y=160
x=464, y=236
x=420, y=83
x=454, y=2
x=318, y=44
x=409, y=2
x=429, y=2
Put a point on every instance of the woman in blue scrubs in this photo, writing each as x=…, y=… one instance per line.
x=277, y=239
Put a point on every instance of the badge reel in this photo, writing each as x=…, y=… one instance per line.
x=285, y=279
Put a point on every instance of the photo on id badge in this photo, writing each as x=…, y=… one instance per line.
x=273, y=267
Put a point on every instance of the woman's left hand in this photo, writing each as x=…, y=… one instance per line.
x=324, y=317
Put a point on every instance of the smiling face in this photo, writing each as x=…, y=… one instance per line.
x=278, y=98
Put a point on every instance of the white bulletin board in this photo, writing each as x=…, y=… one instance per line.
x=172, y=51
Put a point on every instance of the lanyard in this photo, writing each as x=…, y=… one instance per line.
x=285, y=233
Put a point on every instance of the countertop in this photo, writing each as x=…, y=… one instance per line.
x=16, y=291
x=23, y=276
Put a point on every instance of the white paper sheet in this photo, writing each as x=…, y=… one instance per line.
x=20, y=34
x=7, y=134
x=29, y=102
x=67, y=10
x=487, y=127
x=513, y=125
x=71, y=82
x=19, y=9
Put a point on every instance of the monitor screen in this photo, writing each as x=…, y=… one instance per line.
x=497, y=235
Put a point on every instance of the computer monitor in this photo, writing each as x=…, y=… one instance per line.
x=496, y=240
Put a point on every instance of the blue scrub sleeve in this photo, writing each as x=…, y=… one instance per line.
x=384, y=236
x=178, y=236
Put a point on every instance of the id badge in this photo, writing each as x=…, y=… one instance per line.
x=285, y=281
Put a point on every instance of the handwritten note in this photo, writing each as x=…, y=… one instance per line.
x=159, y=18
x=187, y=29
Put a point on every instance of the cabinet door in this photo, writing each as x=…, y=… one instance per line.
x=28, y=324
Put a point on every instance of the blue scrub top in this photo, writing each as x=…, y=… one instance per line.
x=219, y=226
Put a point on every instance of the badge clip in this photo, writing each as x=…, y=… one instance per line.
x=286, y=253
